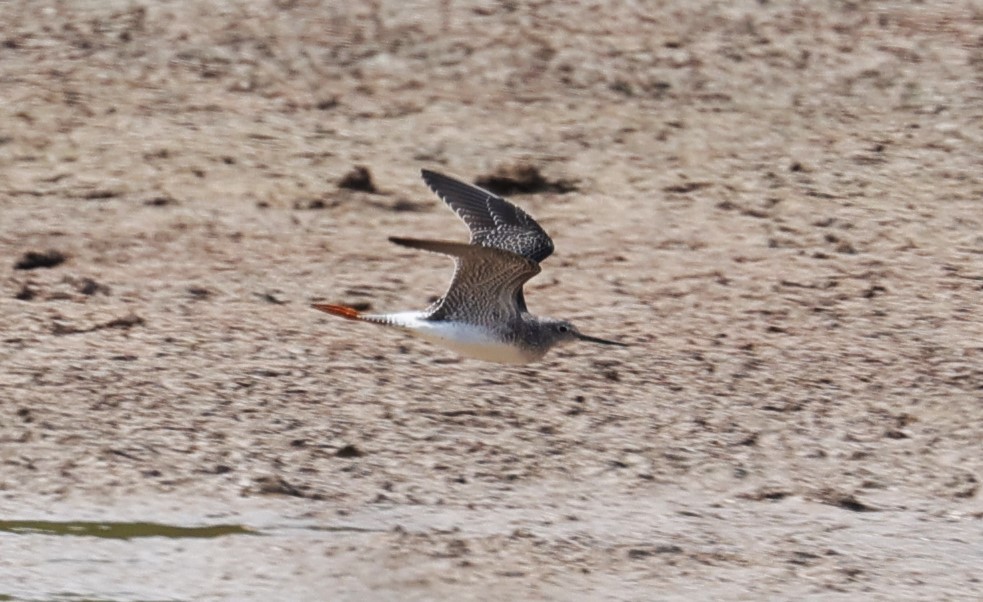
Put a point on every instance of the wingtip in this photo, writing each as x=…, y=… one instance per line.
x=433, y=178
x=338, y=310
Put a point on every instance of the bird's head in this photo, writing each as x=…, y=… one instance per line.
x=562, y=331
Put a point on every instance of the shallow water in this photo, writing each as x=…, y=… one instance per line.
x=284, y=549
x=120, y=530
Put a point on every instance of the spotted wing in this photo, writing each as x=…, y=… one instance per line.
x=487, y=283
x=493, y=221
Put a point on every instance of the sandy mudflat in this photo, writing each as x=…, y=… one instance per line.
x=780, y=205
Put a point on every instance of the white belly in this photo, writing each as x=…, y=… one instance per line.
x=465, y=339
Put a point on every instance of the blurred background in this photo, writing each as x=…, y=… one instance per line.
x=776, y=203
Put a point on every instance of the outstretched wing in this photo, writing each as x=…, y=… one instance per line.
x=487, y=283
x=493, y=221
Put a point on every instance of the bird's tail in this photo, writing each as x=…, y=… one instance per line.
x=349, y=313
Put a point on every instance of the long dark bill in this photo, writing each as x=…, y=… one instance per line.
x=584, y=337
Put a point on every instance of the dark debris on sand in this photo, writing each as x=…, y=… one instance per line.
x=522, y=179
x=360, y=179
x=40, y=259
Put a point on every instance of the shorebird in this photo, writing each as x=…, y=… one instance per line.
x=483, y=314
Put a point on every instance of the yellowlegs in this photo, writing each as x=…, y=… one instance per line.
x=483, y=313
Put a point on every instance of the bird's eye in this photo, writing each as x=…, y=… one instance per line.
x=564, y=328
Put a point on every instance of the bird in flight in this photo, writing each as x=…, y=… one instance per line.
x=483, y=314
